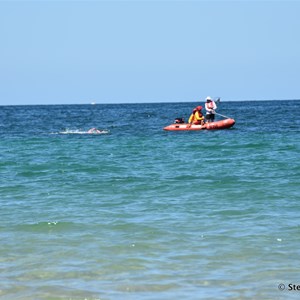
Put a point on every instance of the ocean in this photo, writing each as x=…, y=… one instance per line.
x=140, y=213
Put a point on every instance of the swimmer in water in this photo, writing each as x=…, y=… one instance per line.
x=94, y=131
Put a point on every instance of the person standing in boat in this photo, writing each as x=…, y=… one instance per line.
x=197, y=117
x=210, y=107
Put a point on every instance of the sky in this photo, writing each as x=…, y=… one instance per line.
x=78, y=52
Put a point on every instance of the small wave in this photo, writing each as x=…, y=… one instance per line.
x=46, y=226
x=78, y=131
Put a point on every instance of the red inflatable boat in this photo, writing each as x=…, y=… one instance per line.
x=222, y=124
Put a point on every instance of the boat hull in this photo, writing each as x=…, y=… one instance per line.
x=222, y=124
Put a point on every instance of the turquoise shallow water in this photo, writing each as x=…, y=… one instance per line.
x=140, y=213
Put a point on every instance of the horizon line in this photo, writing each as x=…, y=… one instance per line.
x=158, y=102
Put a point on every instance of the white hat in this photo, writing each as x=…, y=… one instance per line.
x=208, y=98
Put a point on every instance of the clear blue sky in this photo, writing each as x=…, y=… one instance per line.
x=69, y=52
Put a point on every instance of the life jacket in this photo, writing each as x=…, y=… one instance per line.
x=199, y=116
x=210, y=105
x=196, y=117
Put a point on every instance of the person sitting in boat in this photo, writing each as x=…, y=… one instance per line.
x=179, y=121
x=210, y=107
x=197, y=117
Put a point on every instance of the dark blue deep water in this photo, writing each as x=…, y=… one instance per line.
x=141, y=213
